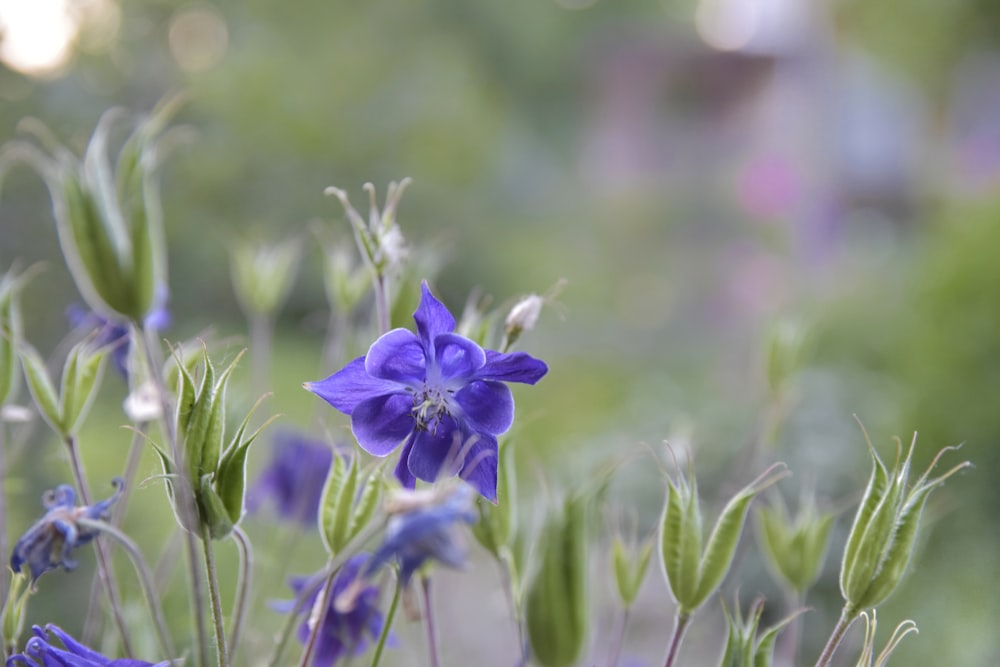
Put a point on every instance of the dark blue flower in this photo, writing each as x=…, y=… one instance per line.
x=294, y=478
x=41, y=652
x=437, y=393
x=114, y=334
x=426, y=527
x=345, y=631
x=50, y=542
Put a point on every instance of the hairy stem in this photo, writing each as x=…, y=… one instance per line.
x=145, y=579
x=839, y=630
x=432, y=645
x=318, y=619
x=680, y=626
x=103, y=561
x=243, y=579
x=389, y=615
x=218, y=625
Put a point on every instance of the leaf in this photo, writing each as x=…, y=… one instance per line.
x=41, y=388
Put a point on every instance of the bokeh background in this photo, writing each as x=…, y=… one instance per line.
x=697, y=170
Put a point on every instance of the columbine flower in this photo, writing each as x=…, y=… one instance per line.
x=435, y=392
x=347, y=627
x=294, y=479
x=50, y=542
x=114, y=334
x=41, y=652
x=426, y=525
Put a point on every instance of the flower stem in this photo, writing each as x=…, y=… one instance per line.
x=616, y=649
x=243, y=580
x=432, y=647
x=4, y=575
x=318, y=619
x=183, y=490
x=145, y=579
x=381, y=286
x=680, y=626
x=261, y=334
x=839, y=630
x=508, y=576
x=103, y=565
x=218, y=625
x=377, y=655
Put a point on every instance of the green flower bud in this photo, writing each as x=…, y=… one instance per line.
x=64, y=411
x=348, y=502
x=867, y=657
x=345, y=279
x=263, y=274
x=744, y=648
x=884, y=532
x=692, y=573
x=784, y=348
x=12, y=614
x=556, y=605
x=629, y=568
x=795, y=550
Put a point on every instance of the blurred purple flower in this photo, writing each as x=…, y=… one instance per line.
x=114, y=334
x=50, y=542
x=428, y=530
x=437, y=393
x=41, y=652
x=344, y=631
x=293, y=479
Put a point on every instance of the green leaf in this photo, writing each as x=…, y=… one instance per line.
x=41, y=388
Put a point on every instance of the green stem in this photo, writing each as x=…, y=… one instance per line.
x=381, y=286
x=145, y=579
x=218, y=625
x=680, y=626
x=839, y=630
x=103, y=565
x=261, y=334
x=243, y=580
x=318, y=620
x=432, y=647
x=508, y=576
x=377, y=655
x=183, y=490
x=616, y=649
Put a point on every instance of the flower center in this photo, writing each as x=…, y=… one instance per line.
x=430, y=405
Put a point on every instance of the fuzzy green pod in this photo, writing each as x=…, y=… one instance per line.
x=556, y=602
x=794, y=549
x=40, y=386
x=263, y=274
x=882, y=537
x=12, y=615
x=65, y=409
x=629, y=568
x=348, y=502
x=745, y=646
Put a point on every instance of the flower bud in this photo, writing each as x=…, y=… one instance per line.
x=347, y=503
x=885, y=527
x=81, y=376
x=629, y=568
x=744, y=648
x=783, y=351
x=263, y=274
x=345, y=279
x=795, y=550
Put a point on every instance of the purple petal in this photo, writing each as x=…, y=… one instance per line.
x=403, y=473
x=488, y=407
x=382, y=423
x=480, y=467
x=351, y=385
x=515, y=367
x=457, y=357
x=397, y=356
x=432, y=318
x=431, y=450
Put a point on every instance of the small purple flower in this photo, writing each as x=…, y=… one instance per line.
x=294, y=479
x=431, y=529
x=114, y=334
x=50, y=542
x=41, y=652
x=344, y=631
x=436, y=393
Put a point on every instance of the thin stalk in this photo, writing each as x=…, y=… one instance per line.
x=680, y=626
x=791, y=637
x=103, y=562
x=261, y=334
x=432, y=647
x=243, y=579
x=183, y=491
x=145, y=580
x=381, y=286
x=4, y=575
x=317, y=620
x=616, y=648
x=846, y=618
x=377, y=655
x=508, y=578
x=218, y=625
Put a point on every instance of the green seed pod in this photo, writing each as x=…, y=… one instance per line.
x=230, y=478
x=629, y=568
x=794, y=550
x=80, y=380
x=348, y=503
x=885, y=529
x=263, y=274
x=744, y=648
x=556, y=605
x=41, y=388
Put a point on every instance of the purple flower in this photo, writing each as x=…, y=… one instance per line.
x=41, y=652
x=436, y=393
x=50, y=542
x=429, y=530
x=114, y=334
x=294, y=479
x=344, y=631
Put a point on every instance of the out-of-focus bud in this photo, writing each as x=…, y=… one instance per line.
x=885, y=527
x=744, y=648
x=784, y=348
x=263, y=274
x=524, y=315
x=348, y=503
x=693, y=574
x=630, y=568
x=64, y=410
x=795, y=550
x=556, y=602
x=10, y=330
x=380, y=240
x=12, y=615
x=867, y=657
x=345, y=279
